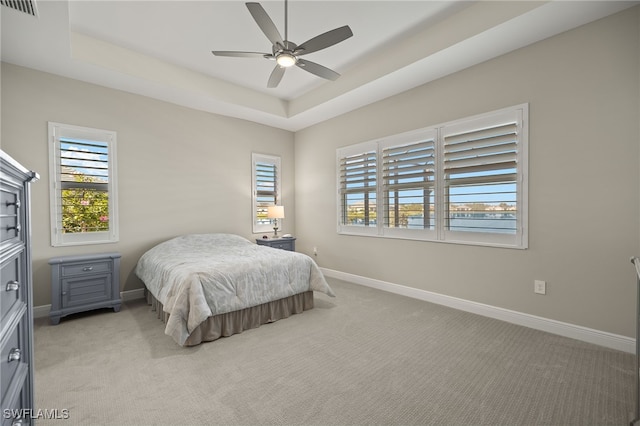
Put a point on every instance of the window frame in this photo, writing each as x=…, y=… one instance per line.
x=441, y=233
x=58, y=132
x=276, y=161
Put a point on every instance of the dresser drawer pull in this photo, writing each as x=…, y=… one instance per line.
x=16, y=203
x=17, y=228
x=14, y=354
x=13, y=286
x=87, y=268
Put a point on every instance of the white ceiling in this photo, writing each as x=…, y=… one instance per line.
x=162, y=49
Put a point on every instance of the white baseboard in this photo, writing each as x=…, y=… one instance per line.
x=132, y=294
x=602, y=338
x=43, y=310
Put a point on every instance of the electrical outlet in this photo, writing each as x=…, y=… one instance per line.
x=540, y=287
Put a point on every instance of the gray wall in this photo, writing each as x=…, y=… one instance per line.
x=583, y=91
x=179, y=170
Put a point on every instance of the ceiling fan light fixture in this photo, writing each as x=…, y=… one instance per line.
x=286, y=60
x=284, y=52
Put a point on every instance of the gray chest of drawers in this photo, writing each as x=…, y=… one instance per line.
x=16, y=304
x=82, y=283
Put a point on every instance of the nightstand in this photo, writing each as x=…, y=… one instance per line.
x=279, y=243
x=82, y=283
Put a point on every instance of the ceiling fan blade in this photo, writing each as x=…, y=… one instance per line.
x=240, y=54
x=317, y=69
x=324, y=40
x=265, y=23
x=276, y=76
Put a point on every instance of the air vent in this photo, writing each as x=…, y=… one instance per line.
x=25, y=6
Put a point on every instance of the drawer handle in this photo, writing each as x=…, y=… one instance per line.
x=87, y=268
x=14, y=354
x=16, y=203
x=17, y=228
x=13, y=286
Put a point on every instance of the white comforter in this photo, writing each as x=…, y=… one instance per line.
x=200, y=275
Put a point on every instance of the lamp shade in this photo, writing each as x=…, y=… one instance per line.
x=275, y=212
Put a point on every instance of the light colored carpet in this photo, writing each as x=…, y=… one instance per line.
x=365, y=357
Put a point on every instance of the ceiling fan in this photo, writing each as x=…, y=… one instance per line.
x=286, y=53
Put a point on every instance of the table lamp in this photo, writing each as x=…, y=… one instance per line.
x=275, y=213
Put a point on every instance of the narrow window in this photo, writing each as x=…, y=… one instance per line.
x=83, y=185
x=484, y=176
x=357, y=180
x=266, y=190
x=408, y=181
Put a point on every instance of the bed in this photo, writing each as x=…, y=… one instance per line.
x=206, y=286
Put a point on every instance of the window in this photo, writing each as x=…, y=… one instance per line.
x=464, y=182
x=358, y=178
x=266, y=190
x=83, y=185
x=408, y=183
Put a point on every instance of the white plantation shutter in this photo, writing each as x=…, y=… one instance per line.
x=481, y=156
x=482, y=167
x=84, y=186
x=357, y=177
x=266, y=179
x=408, y=174
x=84, y=164
x=266, y=189
x=463, y=182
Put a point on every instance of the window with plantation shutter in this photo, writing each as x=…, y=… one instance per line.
x=461, y=182
x=357, y=177
x=482, y=178
x=266, y=189
x=408, y=181
x=83, y=193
